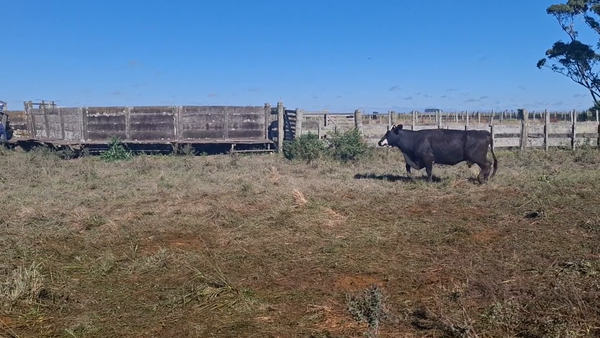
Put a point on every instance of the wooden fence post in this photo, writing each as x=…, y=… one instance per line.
x=81, y=127
x=84, y=123
x=598, y=122
x=546, y=126
x=478, y=117
x=280, y=126
x=62, y=123
x=524, y=119
x=467, y=121
x=45, y=115
x=299, y=119
x=415, y=119
x=492, y=131
x=358, y=119
x=128, y=123
x=179, y=128
x=573, y=128
x=439, y=119
x=267, y=119
x=319, y=133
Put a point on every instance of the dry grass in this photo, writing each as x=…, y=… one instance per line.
x=256, y=246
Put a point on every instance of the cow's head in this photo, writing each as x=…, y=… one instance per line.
x=385, y=140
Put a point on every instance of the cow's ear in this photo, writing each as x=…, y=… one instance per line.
x=397, y=129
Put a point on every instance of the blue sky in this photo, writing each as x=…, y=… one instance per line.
x=376, y=55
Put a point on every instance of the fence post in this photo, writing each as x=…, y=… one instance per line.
x=81, y=127
x=467, y=121
x=598, y=122
x=524, y=119
x=280, y=131
x=478, y=117
x=573, y=128
x=415, y=119
x=267, y=119
x=45, y=115
x=178, y=126
x=492, y=131
x=358, y=119
x=84, y=123
x=62, y=123
x=439, y=119
x=319, y=133
x=299, y=119
x=128, y=123
x=546, y=126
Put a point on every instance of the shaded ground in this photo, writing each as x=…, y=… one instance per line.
x=257, y=246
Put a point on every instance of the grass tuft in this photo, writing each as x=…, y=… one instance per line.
x=23, y=284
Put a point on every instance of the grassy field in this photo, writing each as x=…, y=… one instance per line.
x=259, y=246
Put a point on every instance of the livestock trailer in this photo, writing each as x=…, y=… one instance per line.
x=210, y=129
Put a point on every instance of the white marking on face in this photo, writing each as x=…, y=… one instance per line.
x=384, y=142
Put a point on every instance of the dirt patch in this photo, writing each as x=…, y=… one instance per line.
x=354, y=283
x=334, y=319
x=6, y=322
x=486, y=236
x=187, y=242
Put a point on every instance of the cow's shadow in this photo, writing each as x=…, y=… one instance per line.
x=395, y=178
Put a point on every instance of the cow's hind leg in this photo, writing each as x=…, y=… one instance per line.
x=429, y=169
x=484, y=173
x=408, y=173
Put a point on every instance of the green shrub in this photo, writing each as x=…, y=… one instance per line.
x=116, y=151
x=348, y=146
x=306, y=147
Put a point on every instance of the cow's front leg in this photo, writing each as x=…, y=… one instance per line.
x=408, y=173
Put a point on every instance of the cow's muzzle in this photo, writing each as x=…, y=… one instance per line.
x=383, y=142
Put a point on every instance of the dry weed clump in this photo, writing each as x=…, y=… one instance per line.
x=299, y=199
x=127, y=243
x=21, y=284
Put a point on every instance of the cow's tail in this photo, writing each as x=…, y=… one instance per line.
x=495, y=165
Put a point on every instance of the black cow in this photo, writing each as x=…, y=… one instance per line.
x=422, y=148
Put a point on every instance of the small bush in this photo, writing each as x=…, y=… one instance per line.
x=368, y=307
x=305, y=147
x=116, y=152
x=348, y=146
